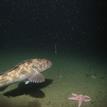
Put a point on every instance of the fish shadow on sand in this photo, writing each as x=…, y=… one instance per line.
x=31, y=89
x=3, y=88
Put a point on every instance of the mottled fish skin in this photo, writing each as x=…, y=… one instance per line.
x=29, y=70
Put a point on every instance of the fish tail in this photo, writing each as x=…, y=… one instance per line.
x=4, y=81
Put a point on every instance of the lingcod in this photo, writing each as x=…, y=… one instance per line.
x=27, y=71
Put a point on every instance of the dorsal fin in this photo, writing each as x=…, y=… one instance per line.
x=16, y=66
x=1, y=73
x=12, y=68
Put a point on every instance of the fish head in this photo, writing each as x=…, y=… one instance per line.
x=41, y=65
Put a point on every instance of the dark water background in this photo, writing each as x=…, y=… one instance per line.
x=73, y=25
x=41, y=24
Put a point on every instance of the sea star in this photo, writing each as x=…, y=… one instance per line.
x=79, y=98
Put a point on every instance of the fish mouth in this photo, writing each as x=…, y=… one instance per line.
x=50, y=63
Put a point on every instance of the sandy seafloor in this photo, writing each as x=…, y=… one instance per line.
x=70, y=73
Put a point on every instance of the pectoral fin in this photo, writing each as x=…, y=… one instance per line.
x=36, y=78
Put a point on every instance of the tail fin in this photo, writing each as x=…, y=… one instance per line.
x=3, y=81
